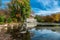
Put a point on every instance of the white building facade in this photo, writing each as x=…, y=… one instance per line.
x=31, y=22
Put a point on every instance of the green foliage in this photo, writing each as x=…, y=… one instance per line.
x=1, y=23
x=14, y=19
x=26, y=8
x=39, y=19
x=2, y=19
x=9, y=20
x=22, y=8
x=19, y=10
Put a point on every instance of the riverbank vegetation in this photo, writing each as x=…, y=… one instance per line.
x=53, y=18
x=17, y=12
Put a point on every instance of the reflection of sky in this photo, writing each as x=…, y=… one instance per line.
x=43, y=7
x=45, y=35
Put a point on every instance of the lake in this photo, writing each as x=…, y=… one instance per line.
x=45, y=34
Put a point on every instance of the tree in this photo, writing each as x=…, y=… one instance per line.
x=2, y=19
x=56, y=17
x=39, y=18
x=19, y=9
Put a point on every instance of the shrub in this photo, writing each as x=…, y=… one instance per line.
x=14, y=19
x=9, y=20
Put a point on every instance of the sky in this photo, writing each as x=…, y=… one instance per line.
x=43, y=7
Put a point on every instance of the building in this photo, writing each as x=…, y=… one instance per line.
x=31, y=21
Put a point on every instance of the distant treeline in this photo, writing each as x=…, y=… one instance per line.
x=49, y=18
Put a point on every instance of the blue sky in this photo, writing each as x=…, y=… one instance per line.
x=44, y=7
x=4, y=3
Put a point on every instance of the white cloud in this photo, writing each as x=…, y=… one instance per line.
x=48, y=12
x=53, y=4
x=44, y=2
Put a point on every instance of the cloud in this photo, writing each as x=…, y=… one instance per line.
x=45, y=7
x=44, y=12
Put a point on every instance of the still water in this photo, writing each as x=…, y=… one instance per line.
x=44, y=34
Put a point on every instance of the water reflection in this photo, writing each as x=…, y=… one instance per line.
x=45, y=35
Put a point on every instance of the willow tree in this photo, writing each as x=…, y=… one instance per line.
x=19, y=9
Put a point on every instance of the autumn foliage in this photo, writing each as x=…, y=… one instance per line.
x=49, y=18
